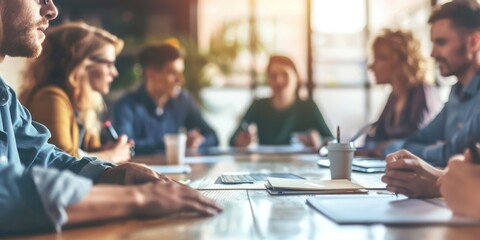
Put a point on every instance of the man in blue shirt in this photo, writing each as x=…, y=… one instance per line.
x=455, y=35
x=43, y=188
x=160, y=106
x=456, y=55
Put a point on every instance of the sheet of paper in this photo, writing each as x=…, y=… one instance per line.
x=171, y=169
x=313, y=184
x=386, y=210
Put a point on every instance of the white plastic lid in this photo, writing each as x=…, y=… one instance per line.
x=334, y=146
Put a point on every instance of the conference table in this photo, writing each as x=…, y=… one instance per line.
x=252, y=213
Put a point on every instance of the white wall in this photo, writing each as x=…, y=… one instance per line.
x=11, y=71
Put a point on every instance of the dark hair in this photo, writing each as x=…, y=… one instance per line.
x=158, y=55
x=462, y=13
x=277, y=59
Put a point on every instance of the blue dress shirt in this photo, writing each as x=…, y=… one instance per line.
x=450, y=130
x=37, y=180
x=137, y=116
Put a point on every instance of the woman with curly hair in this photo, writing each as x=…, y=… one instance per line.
x=398, y=61
x=62, y=88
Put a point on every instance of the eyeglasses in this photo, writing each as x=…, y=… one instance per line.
x=109, y=63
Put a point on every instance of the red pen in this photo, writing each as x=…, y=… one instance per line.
x=114, y=135
x=111, y=131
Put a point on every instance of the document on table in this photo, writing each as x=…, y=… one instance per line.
x=211, y=183
x=387, y=210
x=312, y=184
x=171, y=169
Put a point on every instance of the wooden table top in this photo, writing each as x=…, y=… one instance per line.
x=253, y=214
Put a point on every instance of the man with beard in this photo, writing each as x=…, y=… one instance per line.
x=456, y=44
x=455, y=34
x=43, y=188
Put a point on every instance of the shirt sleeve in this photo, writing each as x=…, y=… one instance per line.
x=35, y=200
x=34, y=149
x=319, y=121
x=34, y=194
x=195, y=120
x=427, y=136
x=249, y=117
x=123, y=118
x=53, y=109
x=439, y=154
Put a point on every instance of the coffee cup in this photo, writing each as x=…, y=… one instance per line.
x=175, y=145
x=341, y=157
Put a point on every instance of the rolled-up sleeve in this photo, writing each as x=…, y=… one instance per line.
x=35, y=200
x=38, y=181
x=57, y=190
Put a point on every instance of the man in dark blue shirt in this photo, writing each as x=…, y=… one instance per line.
x=160, y=106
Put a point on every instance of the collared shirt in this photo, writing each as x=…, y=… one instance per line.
x=37, y=180
x=449, y=132
x=137, y=116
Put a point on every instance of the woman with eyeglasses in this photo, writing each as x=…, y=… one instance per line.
x=63, y=89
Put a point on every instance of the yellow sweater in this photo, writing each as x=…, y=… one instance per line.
x=52, y=107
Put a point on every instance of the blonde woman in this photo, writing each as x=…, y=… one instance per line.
x=398, y=61
x=62, y=89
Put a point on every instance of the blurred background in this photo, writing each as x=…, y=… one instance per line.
x=227, y=44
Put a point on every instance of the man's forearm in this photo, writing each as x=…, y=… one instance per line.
x=104, y=202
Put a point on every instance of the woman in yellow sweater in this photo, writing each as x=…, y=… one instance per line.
x=62, y=89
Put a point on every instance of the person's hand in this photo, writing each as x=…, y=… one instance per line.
x=459, y=186
x=376, y=152
x=310, y=139
x=247, y=136
x=130, y=174
x=194, y=139
x=379, y=149
x=409, y=175
x=119, y=151
x=159, y=199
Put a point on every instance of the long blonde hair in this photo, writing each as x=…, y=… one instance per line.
x=61, y=64
x=406, y=48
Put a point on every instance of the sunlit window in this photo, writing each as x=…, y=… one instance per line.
x=247, y=32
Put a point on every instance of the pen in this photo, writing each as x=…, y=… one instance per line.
x=338, y=134
x=111, y=131
x=244, y=126
x=114, y=135
x=471, y=144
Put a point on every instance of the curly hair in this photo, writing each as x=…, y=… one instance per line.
x=61, y=64
x=406, y=49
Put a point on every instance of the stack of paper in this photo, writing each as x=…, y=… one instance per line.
x=283, y=186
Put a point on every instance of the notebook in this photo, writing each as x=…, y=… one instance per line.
x=365, y=165
x=386, y=210
x=280, y=186
x=248, y=177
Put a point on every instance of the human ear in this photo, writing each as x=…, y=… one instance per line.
x=473, y=41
